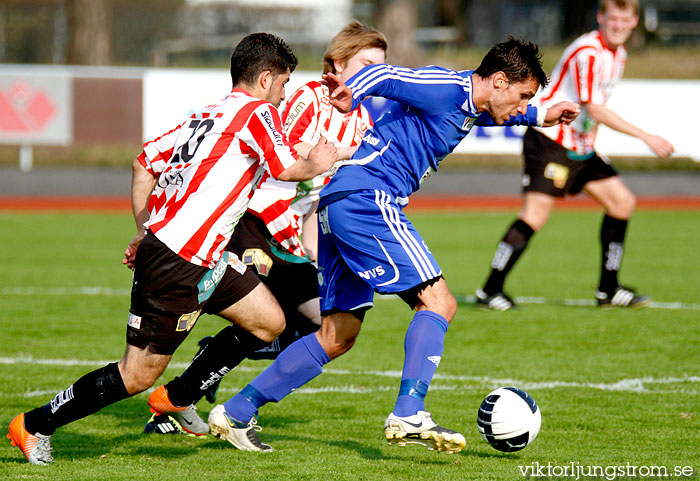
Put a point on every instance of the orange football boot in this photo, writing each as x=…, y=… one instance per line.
x=35, y=447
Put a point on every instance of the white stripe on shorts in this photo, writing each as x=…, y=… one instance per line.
x=413, y=249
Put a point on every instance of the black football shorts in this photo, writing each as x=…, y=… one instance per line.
x=551, y=169
x=167, y=295
x=291, y=279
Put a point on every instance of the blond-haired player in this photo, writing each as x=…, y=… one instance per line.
x=562, y=160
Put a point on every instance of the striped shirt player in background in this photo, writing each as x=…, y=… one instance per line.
x=365, y=241
x=268, y=236
x=189, y=188
x=562, y=160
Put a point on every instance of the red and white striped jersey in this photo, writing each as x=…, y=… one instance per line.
x=307, y=116
x=587, y=72
x=207, y=169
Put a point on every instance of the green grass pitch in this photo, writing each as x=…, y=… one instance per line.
x=616, y=388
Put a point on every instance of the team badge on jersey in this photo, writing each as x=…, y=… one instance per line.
x=468, y=124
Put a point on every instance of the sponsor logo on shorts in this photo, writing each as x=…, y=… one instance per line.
x=371, y=140
x=258, y=259
x=187, y=321
x=235, y=263
x=372, y=273
x=558, y=173
x=134, y=321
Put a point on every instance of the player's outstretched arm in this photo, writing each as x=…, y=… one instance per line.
x=561, y=113
x=142, y=184
x=319, y=159
x=660, y=146
x=343, y=153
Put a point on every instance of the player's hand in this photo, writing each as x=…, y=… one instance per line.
x=660, y=146
x=561, y=113
x=130, y=252
x=340, y=94
x=324, y=154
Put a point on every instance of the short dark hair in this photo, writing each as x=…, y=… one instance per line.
x=519, y=60
x=257, y=53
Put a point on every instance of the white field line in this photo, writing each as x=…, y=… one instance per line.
x=107, y=291
x=442, y=382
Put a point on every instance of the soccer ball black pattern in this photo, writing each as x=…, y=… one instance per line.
x=509, y=419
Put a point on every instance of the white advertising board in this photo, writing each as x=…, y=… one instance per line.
x=657, y=106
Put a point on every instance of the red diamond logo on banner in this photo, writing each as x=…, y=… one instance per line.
x=24, y=110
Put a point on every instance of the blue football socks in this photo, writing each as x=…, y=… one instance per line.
x=423, y=347
x=298, y=364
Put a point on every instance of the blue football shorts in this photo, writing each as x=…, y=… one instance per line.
x=367, y=244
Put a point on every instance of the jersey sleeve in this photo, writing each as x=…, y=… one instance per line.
x=156, y=153
x=584, y=67
x=429, y=89
x=529, y=119
x=269, y=141
x=300, y=117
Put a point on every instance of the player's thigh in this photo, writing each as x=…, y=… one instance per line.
x=378, y=243
x=536, y=208
x=614, y=195
x=165, y=303
x=311, y=309
x=340, y=289
x=258, y=312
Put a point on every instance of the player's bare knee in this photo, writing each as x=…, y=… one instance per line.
x=450, y=307
x=338, y=346
x=271, y=329
x=138, y=380
x=623, y=207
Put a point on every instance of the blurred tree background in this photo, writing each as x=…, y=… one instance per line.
x=202, y=33
x=455, y=33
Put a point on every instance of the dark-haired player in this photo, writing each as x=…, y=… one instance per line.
x=189, y=188
x=366, y=243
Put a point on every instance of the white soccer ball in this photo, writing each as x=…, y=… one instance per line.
x=509, y=419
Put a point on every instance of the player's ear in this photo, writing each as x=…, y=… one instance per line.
x=500, y=80
x=265, y=80
x=338, y=67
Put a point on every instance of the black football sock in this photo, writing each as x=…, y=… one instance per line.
x=612, y=238
x=509, y=250
x=224, y=352
x=86, y=396
x=298, y=326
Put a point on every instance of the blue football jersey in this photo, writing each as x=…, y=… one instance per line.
x=435, y=111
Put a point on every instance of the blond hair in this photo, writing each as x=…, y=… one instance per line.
x=350, y=40
x=621, y=4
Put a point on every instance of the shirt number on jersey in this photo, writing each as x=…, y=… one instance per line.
x=196, y=125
